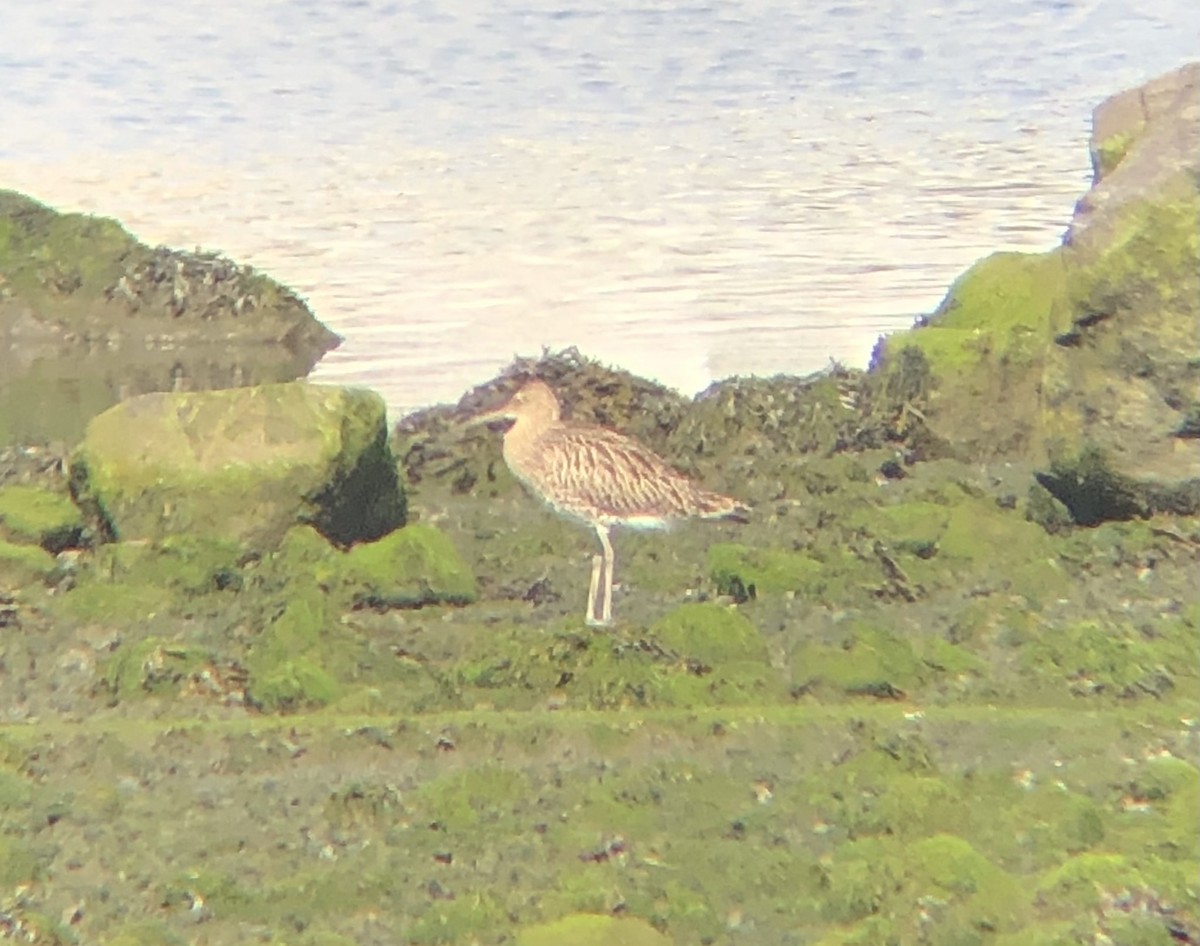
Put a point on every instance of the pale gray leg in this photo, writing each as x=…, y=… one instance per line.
x=609, y=561
x=597, y=567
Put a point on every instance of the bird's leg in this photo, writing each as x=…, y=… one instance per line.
x=597, y=567
x=606, y=609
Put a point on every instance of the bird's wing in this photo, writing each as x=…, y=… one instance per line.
x=612, y=474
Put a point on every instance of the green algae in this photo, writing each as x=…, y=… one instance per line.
x=44, y=254
x=286, y=664
x=1110, y=152
x=18, y=864
x=40, y=516
x=190, y=565
x=743, y=572
x=1150, y=262
x=412, y=567
x=1099, y=657
x=589, y=929
x=454, y=921
x=1001, y=311
x=862, y=660
x=15, y=791
x=115, y=603
x=22, y=565
x=462, y=801
x=710, y=634
x=242, y=464
x=152, y=666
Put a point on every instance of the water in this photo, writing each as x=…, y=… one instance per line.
x=689, y=191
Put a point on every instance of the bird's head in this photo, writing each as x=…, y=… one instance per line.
x=534, y=404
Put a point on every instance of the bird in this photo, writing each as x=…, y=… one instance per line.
x=600, y=477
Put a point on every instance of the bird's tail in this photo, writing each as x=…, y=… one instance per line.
x=716, y=506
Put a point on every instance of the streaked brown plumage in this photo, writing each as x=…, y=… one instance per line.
x=599, y=476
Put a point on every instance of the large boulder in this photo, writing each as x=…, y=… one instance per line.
x=243, y=464
x=1086, y=359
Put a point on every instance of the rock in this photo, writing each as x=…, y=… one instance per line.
x=41, y=516
x=87, y=308
x=241, y=465
x=1086, y=360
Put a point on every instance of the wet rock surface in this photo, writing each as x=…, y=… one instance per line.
x=923, y=696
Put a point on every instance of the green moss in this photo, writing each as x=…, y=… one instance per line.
x=1079, y=882
x=411, y=567
x=242, y=464
x=1150, y=261
x=711, y=634
x=306, y=557
x=23, y=564
x=477, y=797
x=40, y=516
x=915, y=527
x=1002, y=307
x=183, y=563
x=832, y=574
x=949, y=862
x=863, y=660
x=18, y=864
x=864, y=874
x=152, y=666
x=15, y=791
x=292, y=684
x=744, y=572
x=47, y=254
x=1114, y=659
x=115, y=603
x=1044, y=508
x=942, y=656
x=1110, y=152
x=289, y=663
x=1165, y=777
x=585, y=929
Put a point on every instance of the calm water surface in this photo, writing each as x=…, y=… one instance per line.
x=687, y=190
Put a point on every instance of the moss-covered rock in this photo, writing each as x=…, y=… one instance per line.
x=23, y=564
x=152, y=666
x=864, y=660
x=97, y=316
x=83, y=276
x=985, y=346
x=711, y=634
x=411, y=567
x=1089, y=351
x=41, y=516
x=241, y=465
x=1101, y=657
x=294, y=662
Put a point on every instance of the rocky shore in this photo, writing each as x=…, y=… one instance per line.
x=270, y=672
